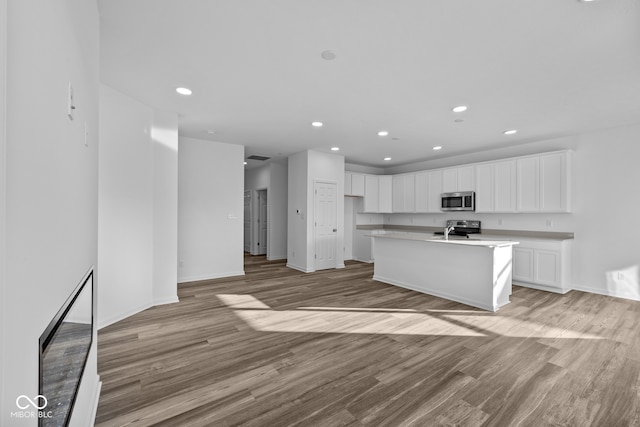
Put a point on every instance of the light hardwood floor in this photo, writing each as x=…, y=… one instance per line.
x=277, y=347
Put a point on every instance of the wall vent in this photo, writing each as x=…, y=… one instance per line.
x=261, y=158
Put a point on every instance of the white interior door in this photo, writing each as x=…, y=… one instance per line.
x=325, y=196
x=247, y=221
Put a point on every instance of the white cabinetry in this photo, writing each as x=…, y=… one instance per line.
x=371, y=193
x=378, y=191
x=353, y=184
x=458, y=179
x=543, y=265
x=434, y=191
x=386, y=194
x=496, y=186
x=404, y=193
x=544, y=182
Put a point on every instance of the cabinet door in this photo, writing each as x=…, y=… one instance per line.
x=522, y=264
x=450, y=180
x=504, y=183
x=409, y=193
x=347, y=184
x=421, y=192
x=435, y=191
x=528, y=178
x=398, y=193
x=547, y=267
x=371, y=193
x=554, y=181
x=357, y=184
x=386, y=194
x=484, y=188
x=466, y=178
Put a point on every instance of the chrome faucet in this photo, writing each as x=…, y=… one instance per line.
x=448, y=230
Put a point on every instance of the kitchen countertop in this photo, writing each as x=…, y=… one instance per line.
x=424, y=237
x=486, y=233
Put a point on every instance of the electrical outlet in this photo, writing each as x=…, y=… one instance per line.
x=500, y=222
x=180, y=264
x=549, y=223
x=620, y=275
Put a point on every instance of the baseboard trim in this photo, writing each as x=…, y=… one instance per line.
x=604, y=292
x=166, y=300
x=121, y=316
x=541, y=287
x=304, y=270
x=96, y=400
x=276, y=258
x=210, y=276
x=444, y=295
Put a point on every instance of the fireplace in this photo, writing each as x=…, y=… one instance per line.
x=64, y=349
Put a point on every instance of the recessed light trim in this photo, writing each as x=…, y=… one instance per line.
x=317, y=124
x=383, y=133
x=510, y=131
x=459, y=109
x=184, y=91
x=328, y=55
x=386, y=159
x=437, y=147
x=335, y=148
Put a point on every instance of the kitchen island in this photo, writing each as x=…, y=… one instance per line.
x=470, y=271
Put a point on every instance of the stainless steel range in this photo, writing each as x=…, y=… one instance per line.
x=460, y=227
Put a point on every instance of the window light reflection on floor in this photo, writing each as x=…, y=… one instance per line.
x=388, y=321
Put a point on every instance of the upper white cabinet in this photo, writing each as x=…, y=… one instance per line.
x=544, y=182
x=404, y=193
x=386, y=194
x=378, y=190
x=428, y=187
x=371, y=193
x=353, y=184
x=460, y=178
x=496, y=186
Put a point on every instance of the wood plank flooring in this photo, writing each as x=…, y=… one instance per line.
x=277, y=347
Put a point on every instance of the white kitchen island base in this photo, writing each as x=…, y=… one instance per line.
x=476, y=273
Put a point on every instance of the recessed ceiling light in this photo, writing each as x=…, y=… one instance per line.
x=386, y=159
x=437, y=147
x=335, y=148
x=510, y=132
x=383, y=133
x=183, y=91
x=328, y=55
x=317, y=124
x=211, y=132
x=459, y=109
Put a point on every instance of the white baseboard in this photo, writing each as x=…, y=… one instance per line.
x=435, y=293
x=276, y=258
x=166, y=300
x=541, y=287
x=341, y=266
x=304, y=270
x=604, y=292
x=210, y=276
x=96, y=399
x=121, y=316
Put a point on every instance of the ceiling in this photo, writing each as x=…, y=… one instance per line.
x=547, y=68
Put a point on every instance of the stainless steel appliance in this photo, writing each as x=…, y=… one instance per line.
x=461, y=227
x=461, y=201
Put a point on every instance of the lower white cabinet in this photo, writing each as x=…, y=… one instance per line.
x=544, y=265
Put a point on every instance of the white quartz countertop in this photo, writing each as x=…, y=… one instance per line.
x=424, y=237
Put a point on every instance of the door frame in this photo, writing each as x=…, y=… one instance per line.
x=255, y=217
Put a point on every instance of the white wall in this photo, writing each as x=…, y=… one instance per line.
x=3, y=191
x=604, y=170
x=137, y=229
x=297, y=212
x=210, y=210
x=272, y=177
x=278, y=194
x=51, y=186
x=305, y=169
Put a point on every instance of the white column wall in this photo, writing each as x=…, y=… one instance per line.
x=138, y=207
x=49, y=184
x=210, y=210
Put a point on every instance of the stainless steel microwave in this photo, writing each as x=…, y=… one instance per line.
x=462, y=201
